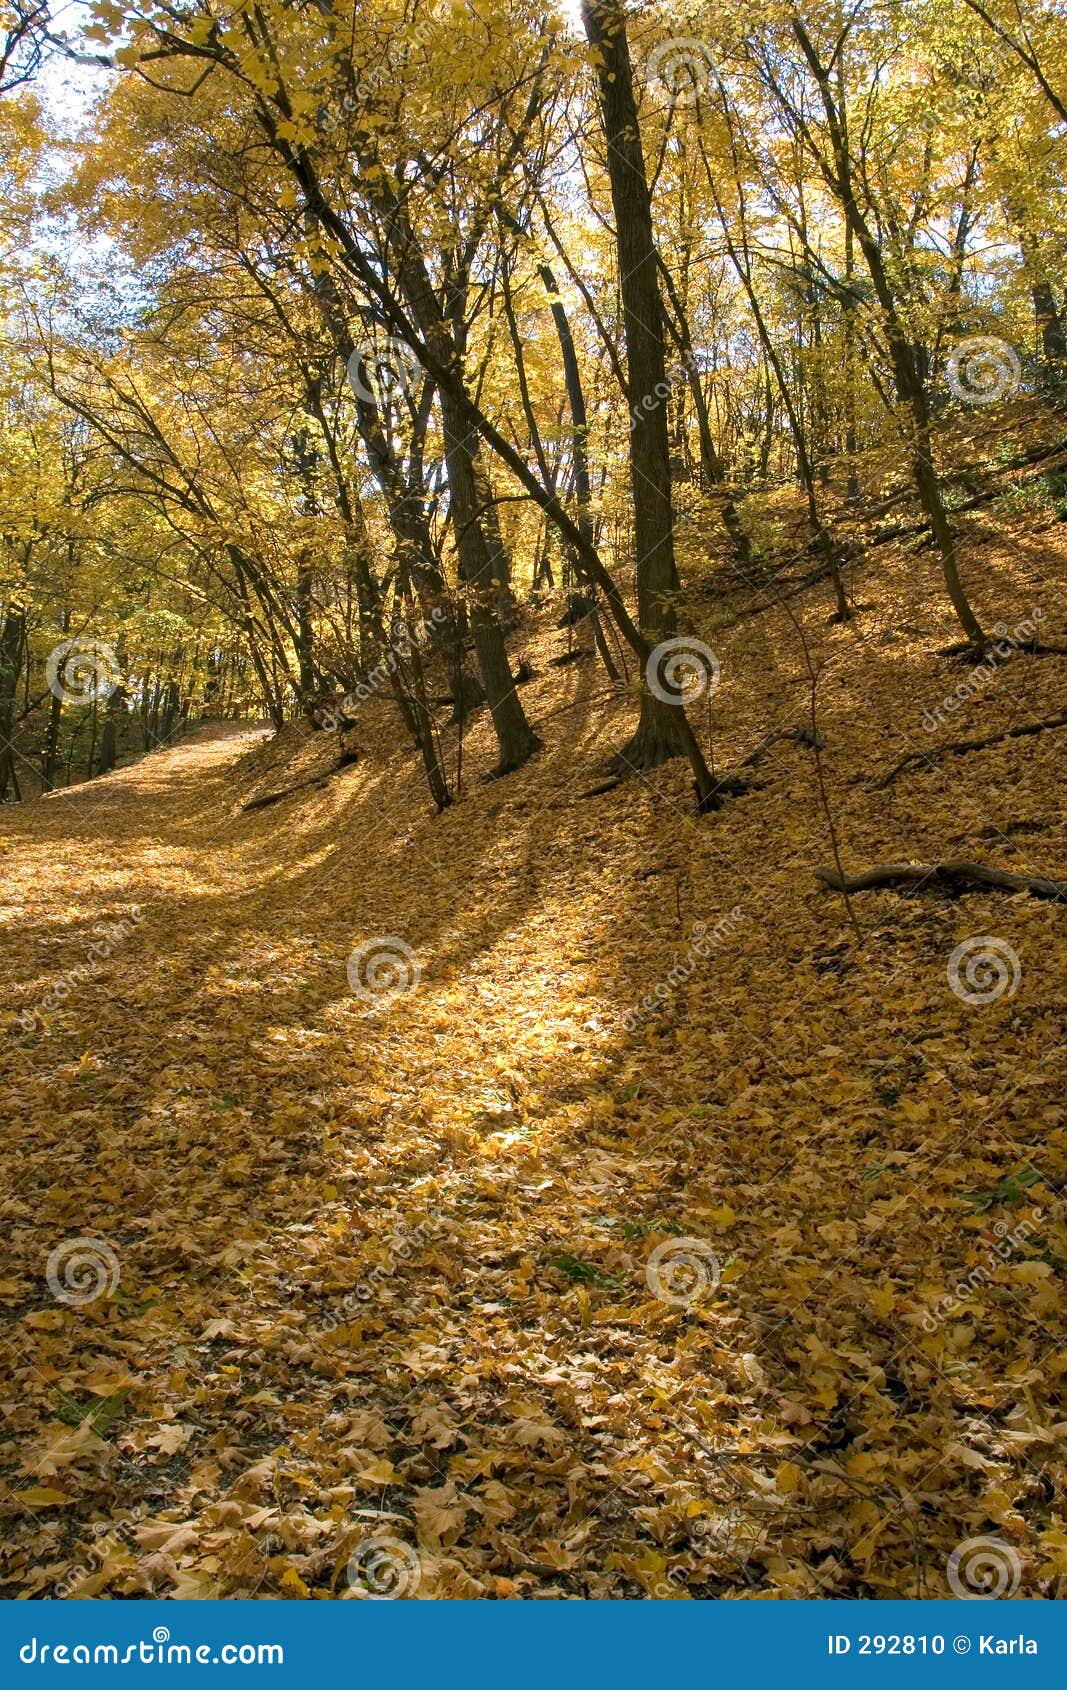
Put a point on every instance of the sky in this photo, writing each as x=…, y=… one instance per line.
x=68, y=89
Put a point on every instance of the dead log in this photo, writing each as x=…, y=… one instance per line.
x=731, y=784
x=951, y=875
x=959, y=747
x=578, y=608
x=267, y=798
x=801, y=735
x=605, y=786
x=1024, y=460
x=1032, y=648
x=809, y=580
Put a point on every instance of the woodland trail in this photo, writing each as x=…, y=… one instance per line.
x=576, y=1108
x=383, y=1267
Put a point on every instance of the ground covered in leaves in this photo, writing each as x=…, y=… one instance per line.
x=380, y=1270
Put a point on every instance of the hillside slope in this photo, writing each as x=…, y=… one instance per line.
x=543, y=1281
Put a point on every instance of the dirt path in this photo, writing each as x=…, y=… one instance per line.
x=556, y=1294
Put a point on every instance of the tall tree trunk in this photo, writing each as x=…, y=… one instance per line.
x=713, y=473
x=308, y=682
x=572, y=378
x=51, y=744
x=659, y=733
x=489, y=517
x=171, y=707
x=741, y=258
x=1048, y=322
x=94, y=719
x=1050, y=329
x=307, y=678
x=109, y=736
x=407, y=519
x=516, y=739
x=853, y=491
x=12, y=636
x=907, y=365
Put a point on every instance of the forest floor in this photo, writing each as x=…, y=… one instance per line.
x=376, y=1307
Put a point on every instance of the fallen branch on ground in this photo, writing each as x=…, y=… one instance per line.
x=604, y=786
x=811, y=579
x=734, y=785
x=952, y=874
x=729, y=784
x=802, y=735
x=959, y=747
x=267, y=798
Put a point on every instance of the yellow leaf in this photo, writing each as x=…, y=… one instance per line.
x=43, y=1496
x=380, y=1472
x=883, y=1301
x=46, y=1320
x=788, y=1477
x=292, y=1582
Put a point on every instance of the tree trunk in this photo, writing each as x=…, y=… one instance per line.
x=51, y=744
x=658, y=737
x=907, y=365
x=516, y=739
x=1050, y=329
x=572, y=377
x=108, y=743
x=11, y=639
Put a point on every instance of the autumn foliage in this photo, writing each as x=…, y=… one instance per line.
x=522, y=527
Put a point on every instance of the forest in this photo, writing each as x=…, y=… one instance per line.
x=533, y=549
